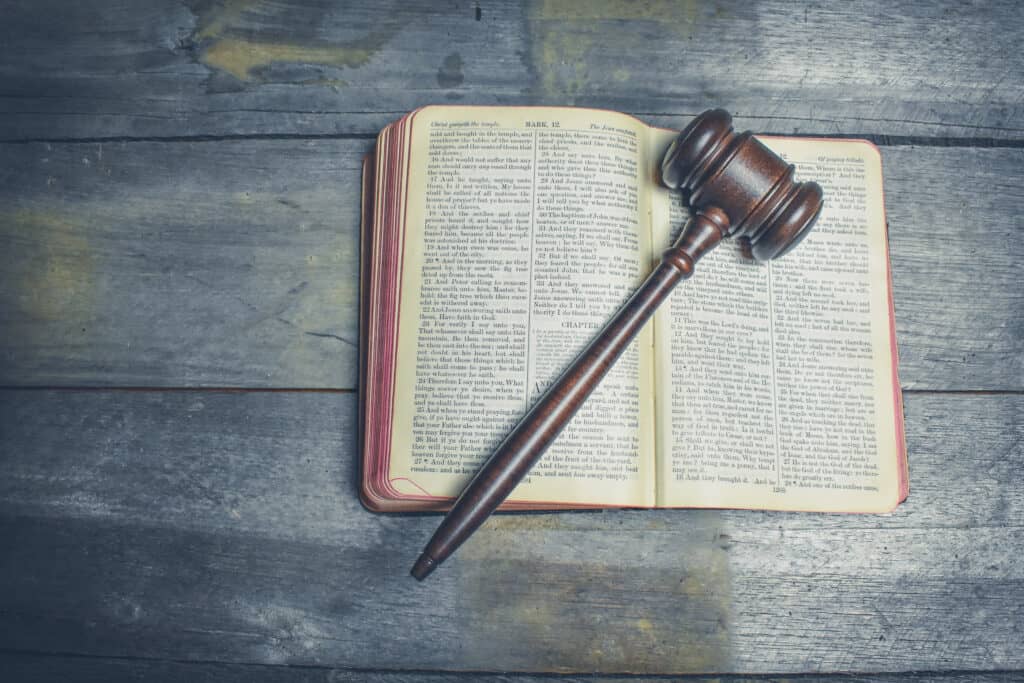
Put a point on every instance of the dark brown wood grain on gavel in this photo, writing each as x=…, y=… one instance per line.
x=737, y=188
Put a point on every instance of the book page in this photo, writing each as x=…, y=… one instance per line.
x=526, y=229
x=779, y=390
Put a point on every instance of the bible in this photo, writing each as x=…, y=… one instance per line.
x=496, y=241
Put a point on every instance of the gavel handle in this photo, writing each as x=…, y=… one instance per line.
x=512, y=460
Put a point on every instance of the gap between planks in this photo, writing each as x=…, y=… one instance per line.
x=401, y=674
x=877, y=139
x=355, y=390
x=207, y=389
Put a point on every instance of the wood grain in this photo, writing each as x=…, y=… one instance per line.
x=234, y=263
x=108, y=69
x=185, y=264
x=223, y=526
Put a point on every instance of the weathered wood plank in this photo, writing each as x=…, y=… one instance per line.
x=224, y=526
x=673, y=603
x=241, y=67
x=227, y=263
x=234, y=263
x=61, y=668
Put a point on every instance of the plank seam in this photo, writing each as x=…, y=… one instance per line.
x=191, y=138
x=353, y=390
x=469, y=674
x=879, y=139
x=200, y=389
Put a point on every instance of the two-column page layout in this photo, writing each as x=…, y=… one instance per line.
x=498, y=241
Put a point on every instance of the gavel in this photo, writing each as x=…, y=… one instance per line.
x=737, y=188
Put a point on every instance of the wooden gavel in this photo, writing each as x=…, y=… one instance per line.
x=738, y=188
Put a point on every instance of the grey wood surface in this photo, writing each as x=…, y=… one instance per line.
x=225, y=263
x=178, y=215
x=224, y=526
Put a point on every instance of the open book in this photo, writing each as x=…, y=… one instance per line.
x=497, y=241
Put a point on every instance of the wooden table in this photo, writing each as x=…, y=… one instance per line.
x=178, y=293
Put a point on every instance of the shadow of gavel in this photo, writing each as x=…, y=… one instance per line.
x=738, y=188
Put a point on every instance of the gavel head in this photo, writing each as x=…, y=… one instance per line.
x=736, y=173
